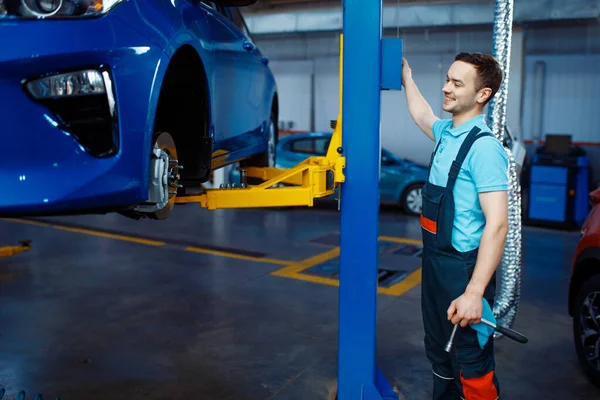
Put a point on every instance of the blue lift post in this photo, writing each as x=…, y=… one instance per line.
x=358, y=375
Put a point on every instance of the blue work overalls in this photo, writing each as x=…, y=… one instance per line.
x=466, y=372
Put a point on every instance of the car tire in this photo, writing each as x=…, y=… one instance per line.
x=269, y=157
x=590, y=291
x=411, y=201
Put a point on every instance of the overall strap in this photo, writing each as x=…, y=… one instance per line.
x=432, y=157
x=462, y=154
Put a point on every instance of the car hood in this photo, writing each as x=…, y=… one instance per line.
x=413, y=166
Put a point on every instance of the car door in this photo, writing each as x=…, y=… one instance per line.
x=229, y=79
x=390, y=176
x=257, y=101
x=299, y=149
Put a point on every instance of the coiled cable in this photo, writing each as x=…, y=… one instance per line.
x=507, y=301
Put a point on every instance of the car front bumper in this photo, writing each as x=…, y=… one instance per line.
x=48, y=166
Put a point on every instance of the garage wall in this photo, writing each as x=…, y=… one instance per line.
x=294, y=83
x=303, y=62
x=562, y=87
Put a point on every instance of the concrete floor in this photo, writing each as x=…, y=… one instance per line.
x=195, y=310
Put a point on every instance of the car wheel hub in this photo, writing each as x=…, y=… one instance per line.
x=271, y=145
x=164, y=179
x=414, y=201
x=590, y=328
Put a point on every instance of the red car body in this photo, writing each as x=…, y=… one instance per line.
x=584, y=293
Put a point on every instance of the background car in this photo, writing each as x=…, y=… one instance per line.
x=400, y=182
x=130, y=103
x=584, y=293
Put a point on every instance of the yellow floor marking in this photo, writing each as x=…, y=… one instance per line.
x=236, y=256
x=149, y=242
x=25, y=221
x=411, y=281
x=124, y=238
x=400, y=240
x=295, y=270
x=291, y=269
x=299, y=266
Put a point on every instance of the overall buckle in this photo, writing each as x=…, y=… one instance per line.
x=454, y=169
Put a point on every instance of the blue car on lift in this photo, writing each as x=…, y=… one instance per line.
x=121, y=105
x=401, y=180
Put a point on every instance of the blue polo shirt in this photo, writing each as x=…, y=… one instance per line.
x=485, y=169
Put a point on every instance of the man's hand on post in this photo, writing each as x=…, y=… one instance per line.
x=420, y=111
x=406, y=72
x=466, y=309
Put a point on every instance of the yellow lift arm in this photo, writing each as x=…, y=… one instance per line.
x=315, y=177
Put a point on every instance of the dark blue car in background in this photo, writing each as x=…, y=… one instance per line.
x=120, y=105
x=400, y=180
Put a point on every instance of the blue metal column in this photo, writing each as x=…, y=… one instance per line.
x=359, y=223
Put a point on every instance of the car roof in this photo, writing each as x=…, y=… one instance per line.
x=303, y=135
x=317, y=134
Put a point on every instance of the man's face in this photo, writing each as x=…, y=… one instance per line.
x=460, y=91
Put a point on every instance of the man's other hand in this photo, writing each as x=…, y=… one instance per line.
x=467, y=309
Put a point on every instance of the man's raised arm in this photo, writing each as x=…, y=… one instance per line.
x=420, y=111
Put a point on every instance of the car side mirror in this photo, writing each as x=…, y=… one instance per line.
x=235, y=3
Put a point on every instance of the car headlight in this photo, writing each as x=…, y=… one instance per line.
x=78, y=83
x=55, y=8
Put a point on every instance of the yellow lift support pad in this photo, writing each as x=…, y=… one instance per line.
x=315, y=177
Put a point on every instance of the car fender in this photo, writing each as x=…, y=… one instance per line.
x=403, y=187
x=271, y=83
x=409, y=179
x=169, y=26
x=177, y=42
x=159, y=75
x=585, y=265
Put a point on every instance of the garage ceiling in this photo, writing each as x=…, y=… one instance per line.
x=263, y=5
x=275, y=17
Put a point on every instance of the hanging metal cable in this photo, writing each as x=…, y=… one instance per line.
x=507, y=300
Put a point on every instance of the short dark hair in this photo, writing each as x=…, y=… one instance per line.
x=489, y=72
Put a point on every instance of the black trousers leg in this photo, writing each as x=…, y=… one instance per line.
x=437, y=333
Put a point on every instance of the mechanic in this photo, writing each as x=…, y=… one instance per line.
x=464, y=225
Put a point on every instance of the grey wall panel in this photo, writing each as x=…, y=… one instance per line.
x=445, y=41
x=569, y=101
x=327, y=88
x=294, y=88
x=571, y=95
x=562, y=86
x=430, y=55
x=399, y=132
x=581, y=39
x=309, y=46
